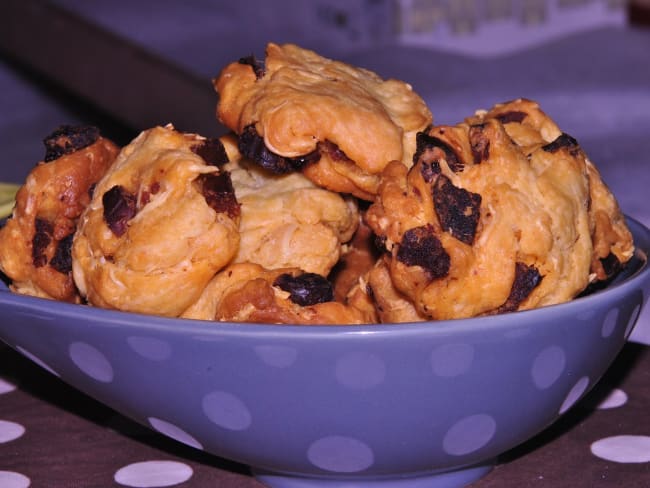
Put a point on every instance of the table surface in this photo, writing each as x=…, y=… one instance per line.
x=54, y=436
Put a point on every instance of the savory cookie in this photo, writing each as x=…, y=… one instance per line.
x=36, y=240
x=161, y=223
x=502, y=212
x=247, y=292
x=339, y=124
x=287, y=221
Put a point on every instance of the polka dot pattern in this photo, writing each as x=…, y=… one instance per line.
x=91, y=361
x=340, y=454
x=623, y=449
x=548, y=366
x=574, y=394
x=469, y=434
x=227, y=411
x=9, y=479
x=10, y=431
x=153, y=474
x=150, y=347
x=170, y=430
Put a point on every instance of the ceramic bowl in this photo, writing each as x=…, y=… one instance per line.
x=410, y=405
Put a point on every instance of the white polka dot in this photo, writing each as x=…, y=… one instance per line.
x=632, y=321
x=170, y=430
x=6, y=386
x=277, y=356
x=340, y=454
x=150, y=348
x=452, y=359
x=10, y=479
x=38, y=361
x=153, y=474
x=226, y=410
x=609, y=324
x=548, y=367
x=616, y=398
x=576, y=392
x=469, y=434
x=360, y=370
x=92, y=362
x=623, y=448
x=10, y=431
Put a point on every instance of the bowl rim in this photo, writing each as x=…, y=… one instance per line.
x=106, y=317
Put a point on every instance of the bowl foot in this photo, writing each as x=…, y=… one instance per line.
x=448, y=479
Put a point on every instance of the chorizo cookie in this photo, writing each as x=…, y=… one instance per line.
x=35, y=243
x=288, y=221
x=161, y=223
x=338, y=124
x=496, y=214
x=247, y=292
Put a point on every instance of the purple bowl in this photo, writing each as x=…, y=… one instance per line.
x=409, y=405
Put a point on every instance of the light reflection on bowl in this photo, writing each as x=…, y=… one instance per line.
x=425, y=404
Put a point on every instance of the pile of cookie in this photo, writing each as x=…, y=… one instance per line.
x=333, y=200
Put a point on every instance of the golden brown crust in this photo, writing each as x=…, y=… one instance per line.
x=35, y=242
x=247, y=292
x=289, y=222
x=493, y=217
x=302, y=100
x=161, y=223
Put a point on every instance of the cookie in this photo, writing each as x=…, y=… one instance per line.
x=497, y=214
x=287, y=221
x=35, y=243
x=162, y=222
x=247, y=292
x=338, y=124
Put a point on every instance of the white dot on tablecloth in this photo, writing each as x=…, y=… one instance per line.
x=623, y=448
x=171, y=430
x=150, y=347
x=548, y=366
x=340, y=454
x=91, y=361
x=6, y=386
x=469, y=434
x=10, y=431
x=452, y=359
x=153, y=474
x=609, y=324
x=277, y=356
x=360, y=370
x=574, y=394
x=11, y=479
x=616, y=398
x=226, y=410
x=37, y=360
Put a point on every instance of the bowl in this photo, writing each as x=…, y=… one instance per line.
x=410, y=405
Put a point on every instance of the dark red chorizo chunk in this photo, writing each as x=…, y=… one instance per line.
x=43, y=234
x=253, y=62
x=333, y=151
x=306, y=289
x=212, y=152
x=611, y=264
x=421, y=247
x=479, y=142
x=458, y=210
x=62, y=259
x=429, y=170
x=431, y=149
x=526, y=279
x=68, y=139
x=219, y=193
x=119, y=208
x=563, y=140
x=252, y=147
x=512, y=116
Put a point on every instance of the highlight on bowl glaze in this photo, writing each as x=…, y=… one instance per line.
x=408, y=405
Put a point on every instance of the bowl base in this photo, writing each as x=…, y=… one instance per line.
x=447, y=479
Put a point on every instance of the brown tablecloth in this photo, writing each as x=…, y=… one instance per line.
x=51, y=435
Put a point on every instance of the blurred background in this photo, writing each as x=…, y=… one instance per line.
x=126, y=66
